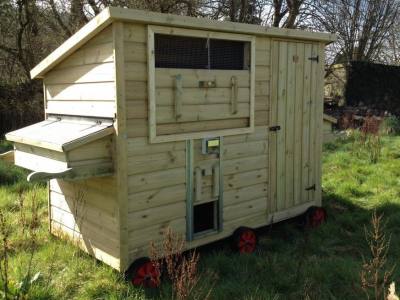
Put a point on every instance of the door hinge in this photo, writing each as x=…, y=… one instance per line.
x=314, y=58
x=311, y=188
x=275, y=128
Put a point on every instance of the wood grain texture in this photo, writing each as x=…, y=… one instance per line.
x=121, y=156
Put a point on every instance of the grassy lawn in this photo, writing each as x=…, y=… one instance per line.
x=291, y=263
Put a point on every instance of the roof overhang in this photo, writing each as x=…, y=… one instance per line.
x=110, y=14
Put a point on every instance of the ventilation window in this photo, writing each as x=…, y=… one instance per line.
x=180, y=52
x=227, y=55
x=184, y=52
x=205, y=217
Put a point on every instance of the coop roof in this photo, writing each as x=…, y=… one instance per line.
x=61, y=134
x=110, y=14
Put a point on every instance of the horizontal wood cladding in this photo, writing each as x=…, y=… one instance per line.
x=203, y=112
x=204, y=126
x=93, y=91
x=136, y=90
x=100, y=149
x=154, y=180
x=246, y=208
x=164, y=78
x=135, y=52
x=157, y=172
x=93, y=247
x=102, y=72
x=157, y=197
x=84, y=83
x=154, y=162
x=86, y=212
x=98, y=192
x=88, y=55
x=105, y=36
x=134, y=32
x=82, y=108
x=80, y=215
x=139, y=127
x=141, y=146
x=156, y=215
x=33, y=161
x=72, y=197
x=148, y=234
x=196, y=96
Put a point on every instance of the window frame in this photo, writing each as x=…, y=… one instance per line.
x=151, y=69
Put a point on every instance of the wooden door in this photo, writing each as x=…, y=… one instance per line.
x=296, y=110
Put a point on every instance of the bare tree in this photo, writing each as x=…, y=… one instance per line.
x=362, y=26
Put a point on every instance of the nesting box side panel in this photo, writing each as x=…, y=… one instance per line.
x=84, y=83
x=156, y=172
x=86, y=213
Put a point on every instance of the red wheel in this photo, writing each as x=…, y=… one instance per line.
x=315, y=217
x=145, y=273
x=245, y=240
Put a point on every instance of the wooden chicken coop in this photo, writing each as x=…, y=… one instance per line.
x=155, y=121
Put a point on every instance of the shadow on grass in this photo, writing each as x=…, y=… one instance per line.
x=293, y=262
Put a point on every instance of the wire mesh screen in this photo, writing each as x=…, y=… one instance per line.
x=198, y=53
x=180, y=52
x=226, y=55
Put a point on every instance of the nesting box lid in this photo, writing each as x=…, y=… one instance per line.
x=61, y=134
x=68, y=148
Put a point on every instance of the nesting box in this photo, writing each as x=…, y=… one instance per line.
x=156, y=121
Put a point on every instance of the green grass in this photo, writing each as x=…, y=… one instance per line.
x=291, y=263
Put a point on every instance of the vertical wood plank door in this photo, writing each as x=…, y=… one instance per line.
x=294, y=108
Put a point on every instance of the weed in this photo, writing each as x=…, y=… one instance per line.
x=181, y=268
x=391, y=125
x=5, y=232
x=374, y=274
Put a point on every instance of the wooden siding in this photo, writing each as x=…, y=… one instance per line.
x=157, y=172
x=84, y=83
x=86, y=212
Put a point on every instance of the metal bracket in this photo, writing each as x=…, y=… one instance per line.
x=314, y=58
x=275, y=128
x=311, y=188
x=207, y=84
